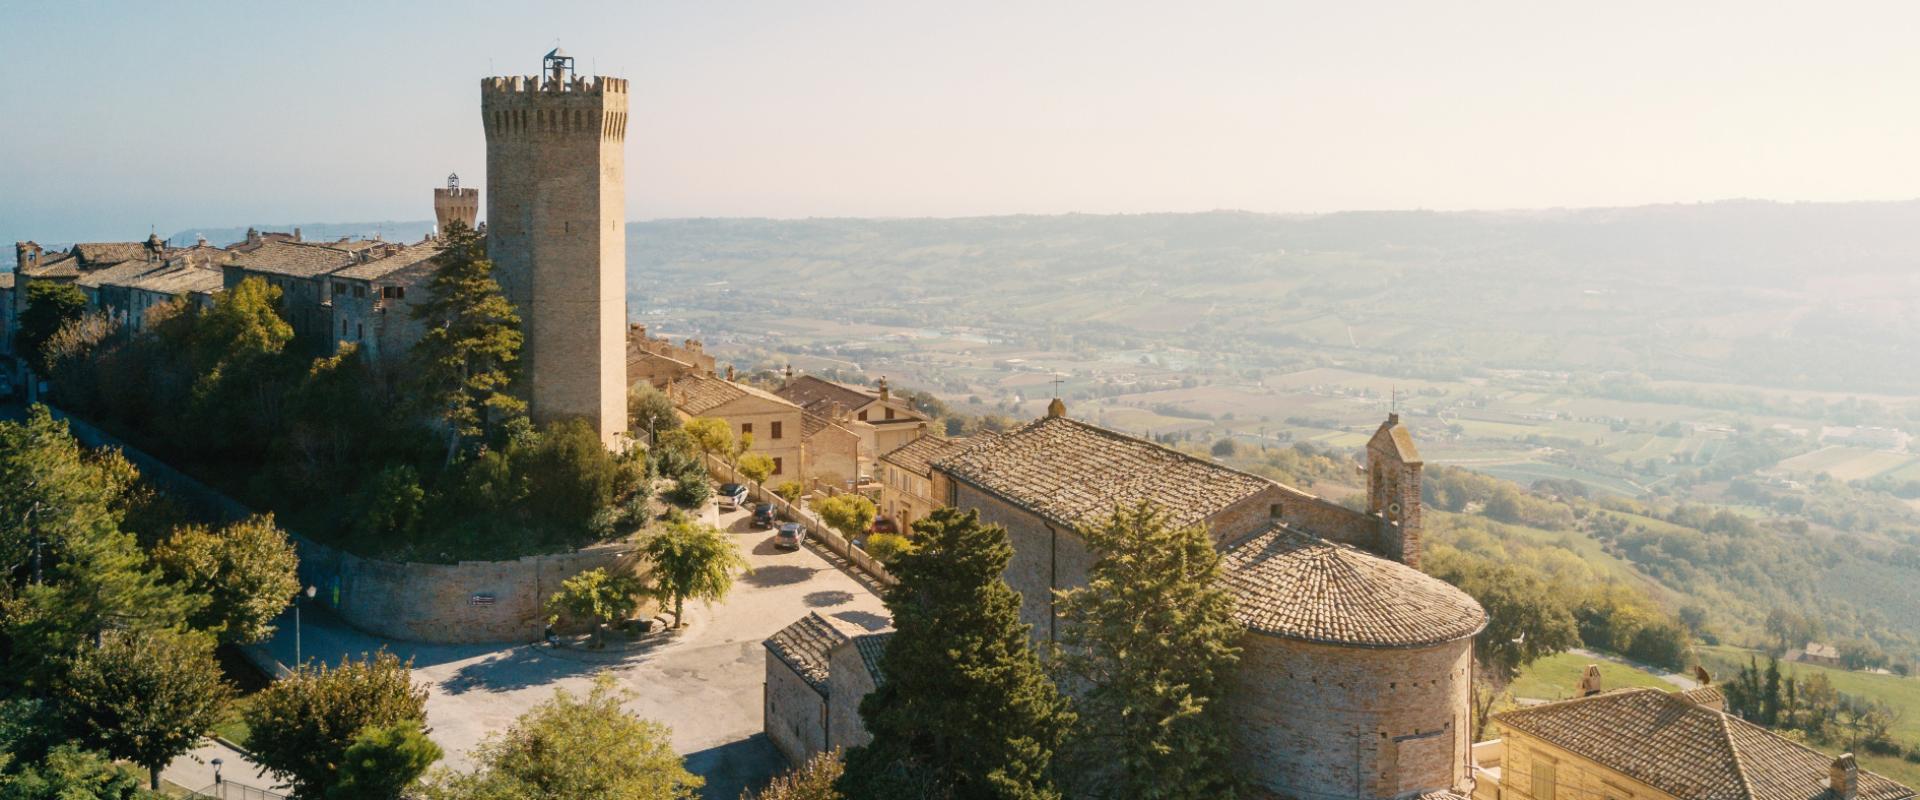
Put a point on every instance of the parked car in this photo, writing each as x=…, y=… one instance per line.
x=732, y=495
x=763, y=516
x=883, y=525
x=790, y=536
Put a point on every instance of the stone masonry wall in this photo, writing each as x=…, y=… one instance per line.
x=1318, y=722
x=795, y=713
x=434, y=603
x=848, y=684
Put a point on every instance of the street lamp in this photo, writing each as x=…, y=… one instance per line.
x=216, y=772
x=310, y=591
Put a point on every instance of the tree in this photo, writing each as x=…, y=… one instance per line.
x=790, y=491
x=247, y=570
x=303, y=724
x=571, y=748
x=887, y=546
x=691, y=560
x=70, y=772
x=850, y=514
x=1153, y=640
x=147, y=697
x=569, y=476
x=392, y=508
x=967, y=709
x=711, y=435
x=1526, y=620
x=649, y=412
x=384, y=762
x=466, y=359
x=50, y=306
x=597, y=596
x=810, y=781
x=756, y=467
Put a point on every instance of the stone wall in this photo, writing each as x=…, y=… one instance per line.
x=848, y=683
x=472, y=601
x=796, y=715
x=1318, y=722
x=1529, y=765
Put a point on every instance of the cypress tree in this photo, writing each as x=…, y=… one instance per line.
x=967, y=709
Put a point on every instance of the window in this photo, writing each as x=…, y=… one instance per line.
x=359, y=331
x=777, y=468
x=863, y=416
x=343, y=328
x=746, y=429
x=1273, y=511
x=889, y=413
x=339, y=289
x=1543, y=778
x=775, y=425
x=359, y=291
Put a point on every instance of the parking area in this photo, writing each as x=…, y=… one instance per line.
x=704, y=683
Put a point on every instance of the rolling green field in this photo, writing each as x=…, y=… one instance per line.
x=1556, y=677
x=1902, y=693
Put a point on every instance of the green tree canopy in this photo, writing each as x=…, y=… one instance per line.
x=70, y=772
x=1153, y=641
x=304, y=723
x=467, y=359
x=245, y=569
x=597, y=596
x=850, y=514
x=712, y=435
x=813, y=780
x=147, y=697
x=575, y=748
x=649, y=411
x=50, y=306
x=691, y=560
x=967, y=710
x=756, y=467
x=384, y=762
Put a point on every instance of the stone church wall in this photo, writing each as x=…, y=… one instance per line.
x=1318, y=722
x=796, y=715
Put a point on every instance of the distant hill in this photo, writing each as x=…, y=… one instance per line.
x=1815, y=295
x=403, y=231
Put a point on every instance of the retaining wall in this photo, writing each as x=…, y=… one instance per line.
x=472, y=601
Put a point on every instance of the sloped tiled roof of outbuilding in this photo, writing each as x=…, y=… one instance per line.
x=99, y=254
x=1075, y=473
x=804, y=646
x=54, y=266
x=699, y=394
x=180, y=280
x=120, y=274
x=918, y=455
x=1684, y=750
x=1296, y=586
x=818, y=395
x=295, y=259
x=403, y=256
x=872, y=646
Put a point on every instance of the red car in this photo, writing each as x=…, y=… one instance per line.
x=883, y=525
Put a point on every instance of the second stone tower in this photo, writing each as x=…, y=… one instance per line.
x=556, y=233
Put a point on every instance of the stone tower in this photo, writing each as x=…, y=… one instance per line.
x=454, y=203
x=556, y=232
x=1393, y=489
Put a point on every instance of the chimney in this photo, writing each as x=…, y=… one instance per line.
x=253, y=236
x=296, y=234
x=884, y=392
x=1843, y=778
x=1590, y=681
x=729, y=372
x=1057, y=408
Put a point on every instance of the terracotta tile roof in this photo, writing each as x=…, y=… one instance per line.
x=296, y=259
x=54, y=266
x=1075, y=473
x=1293, y=585
x=1688, y=751
x=403, y=256
x=804, y=646
x=699, y=394
x=178, y=281
x=812, y=425
x=818, y=396
x=918, y=455
x=1709, y=696
x=94, y=255
x=118, y=274
x=872, y=646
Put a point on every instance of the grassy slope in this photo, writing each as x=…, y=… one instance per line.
x=1556, y=677
x=1902, y=693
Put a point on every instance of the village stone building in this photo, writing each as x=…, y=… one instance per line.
x=1648, y=744
x=658, y=362
x=1355, y=675
x=884, y=422
x=910, y=489
x=804, y=447
x=556, y=233
x=817, y=671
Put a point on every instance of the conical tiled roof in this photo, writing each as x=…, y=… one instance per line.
x=1296, y=586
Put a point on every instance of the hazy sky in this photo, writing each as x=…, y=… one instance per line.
x=120, y=116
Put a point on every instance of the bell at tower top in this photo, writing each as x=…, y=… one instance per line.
x=558, y=66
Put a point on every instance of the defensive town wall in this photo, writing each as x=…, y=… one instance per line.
x=471, y=601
